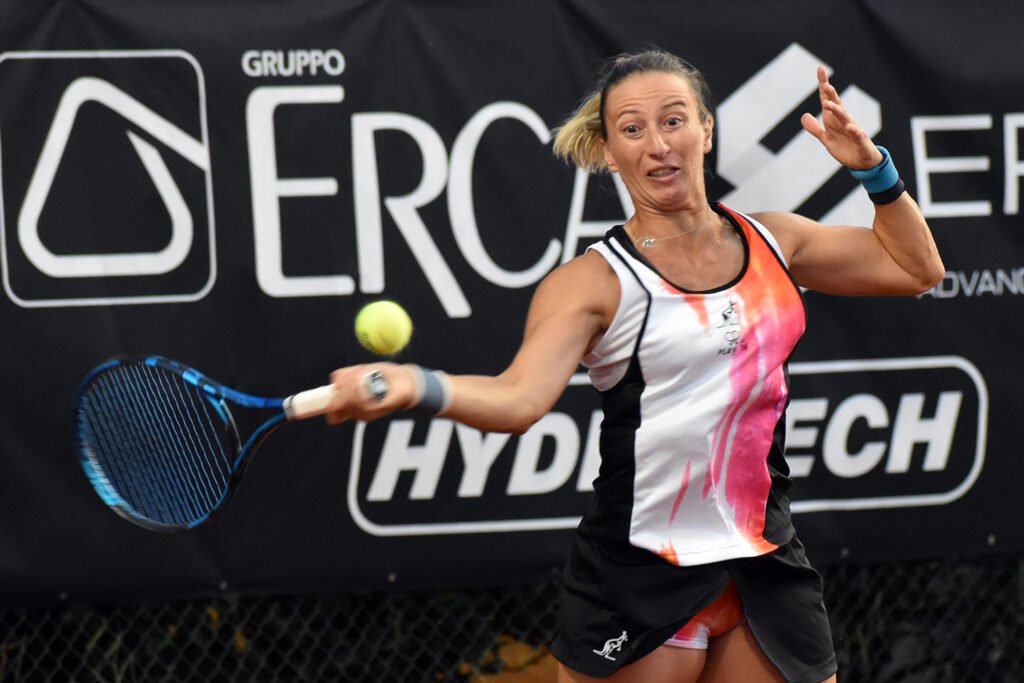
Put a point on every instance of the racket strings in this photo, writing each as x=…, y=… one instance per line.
x=130, y=449
x=135, y=477
x=176, y=442
x=178, y=411
x=162, y=449
x=151, y=454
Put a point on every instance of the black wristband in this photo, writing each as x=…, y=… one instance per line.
x=889, y=195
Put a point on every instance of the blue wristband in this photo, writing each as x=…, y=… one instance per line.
x=882, y=182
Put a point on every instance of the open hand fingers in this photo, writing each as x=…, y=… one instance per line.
x=811, y=125
x=826, y=91
x=833, y=116
x=837, y=130
x=831, y=103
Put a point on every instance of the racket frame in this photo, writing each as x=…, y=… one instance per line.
x=218, y=396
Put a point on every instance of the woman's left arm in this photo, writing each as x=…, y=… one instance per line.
x=897, y=255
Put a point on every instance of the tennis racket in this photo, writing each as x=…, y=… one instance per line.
x=159, y=443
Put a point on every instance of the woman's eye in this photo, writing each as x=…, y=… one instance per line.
x=674, y=121
x=631, y=130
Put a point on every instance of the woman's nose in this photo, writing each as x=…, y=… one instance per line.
x=657, y=145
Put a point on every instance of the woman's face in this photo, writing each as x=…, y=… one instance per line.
x=656, y=141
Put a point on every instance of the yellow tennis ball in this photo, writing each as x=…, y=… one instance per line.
x=383, y=327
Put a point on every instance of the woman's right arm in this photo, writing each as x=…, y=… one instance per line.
x=569, y=313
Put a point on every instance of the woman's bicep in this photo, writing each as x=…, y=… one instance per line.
x=570, y=311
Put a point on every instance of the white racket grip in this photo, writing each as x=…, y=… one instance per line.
x=309, y=403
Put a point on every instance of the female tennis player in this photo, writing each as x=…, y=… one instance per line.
x=686, y=567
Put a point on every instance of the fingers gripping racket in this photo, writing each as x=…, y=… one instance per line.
x=159, y=443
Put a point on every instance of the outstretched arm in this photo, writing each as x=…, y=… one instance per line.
x=569, y=312
x=896, y=256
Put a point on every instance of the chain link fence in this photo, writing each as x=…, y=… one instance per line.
x=924, y=622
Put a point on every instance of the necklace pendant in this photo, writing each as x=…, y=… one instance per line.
x=647, y=242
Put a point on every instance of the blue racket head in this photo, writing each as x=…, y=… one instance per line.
x=158, y=442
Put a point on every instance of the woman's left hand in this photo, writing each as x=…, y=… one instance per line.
x=838, y=132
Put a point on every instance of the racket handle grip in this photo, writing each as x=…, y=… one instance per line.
x=309, y=403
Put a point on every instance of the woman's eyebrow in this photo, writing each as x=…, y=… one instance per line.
x=667, y=105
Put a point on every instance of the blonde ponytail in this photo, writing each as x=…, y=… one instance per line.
x=579, y=139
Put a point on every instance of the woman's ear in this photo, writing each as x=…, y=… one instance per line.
x=709, y=128
x=609, y=162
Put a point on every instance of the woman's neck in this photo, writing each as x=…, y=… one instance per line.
x=647, y=228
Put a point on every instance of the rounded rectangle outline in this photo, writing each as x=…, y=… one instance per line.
x=208, y=182
x=440, y=528
x=885, y=364
x=806, y=368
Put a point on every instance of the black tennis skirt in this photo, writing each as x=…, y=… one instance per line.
x=620, y=603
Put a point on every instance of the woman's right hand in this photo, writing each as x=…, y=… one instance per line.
x=354, y=397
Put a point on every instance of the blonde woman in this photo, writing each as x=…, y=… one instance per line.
x=686, y=567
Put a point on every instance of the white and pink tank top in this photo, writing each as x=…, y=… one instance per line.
x=694, y=389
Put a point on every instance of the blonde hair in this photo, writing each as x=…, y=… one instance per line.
x=581, y=138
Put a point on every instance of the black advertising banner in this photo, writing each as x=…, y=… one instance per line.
x=227, y=183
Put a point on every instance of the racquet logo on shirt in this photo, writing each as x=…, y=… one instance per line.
x=612, y=645
x=730, y=327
